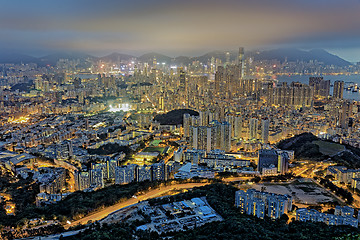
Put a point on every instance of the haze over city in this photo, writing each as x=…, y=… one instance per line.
x=178, y=27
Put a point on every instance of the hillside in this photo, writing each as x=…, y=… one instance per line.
x=308, y=146
x=234, y=226
x=116, y=57
x=174, y=117
x=294, y=55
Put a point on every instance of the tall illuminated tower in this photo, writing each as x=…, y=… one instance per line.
x=241, y=62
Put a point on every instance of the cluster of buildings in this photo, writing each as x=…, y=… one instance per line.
x=136, y=173
x=273, y=162
x=261, y=204
x=98, y=173
x=62, y=116
x=178, y=216
x=95, y=178
x=342, y=174
x=216, y=160
x=342, y=216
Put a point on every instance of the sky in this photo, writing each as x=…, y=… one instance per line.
x=190, y=28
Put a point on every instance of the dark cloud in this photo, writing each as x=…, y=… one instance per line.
x=175, y=27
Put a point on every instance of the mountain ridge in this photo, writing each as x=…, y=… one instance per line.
x=281, y=54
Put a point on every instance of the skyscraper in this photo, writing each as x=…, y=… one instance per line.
x=265, y=130
x=227, y=55
x=253, y=128
x=241, y=62
x=186, y=124
x=338, y=89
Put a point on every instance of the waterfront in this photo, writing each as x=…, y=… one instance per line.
x=348, y=79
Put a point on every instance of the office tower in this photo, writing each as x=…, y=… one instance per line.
x=338, y=89
x=96, y=178
x=158, y=171
x=82, y=180
x=321, y=86
x=265, y=130
x=276, y=161
x=154, y=63
x=143, y=173
x=241, y=62
x=227, y=57
x=253, y=128
x=125, y=174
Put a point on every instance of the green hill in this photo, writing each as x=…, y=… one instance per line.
x=174, y=117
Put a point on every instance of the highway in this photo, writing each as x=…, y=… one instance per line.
x=151, y=194
x=235, y=179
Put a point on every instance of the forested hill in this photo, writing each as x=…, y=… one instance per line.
x=174, y=117
x=306, y=146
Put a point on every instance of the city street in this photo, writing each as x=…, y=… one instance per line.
x=151, y=194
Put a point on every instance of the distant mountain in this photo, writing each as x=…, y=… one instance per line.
x=215, y=54
x=160, y=58
x=283, y=54
x=183, y=60
x=52, y=59
x=16, y=58
x=116, y=57
x=294, y=55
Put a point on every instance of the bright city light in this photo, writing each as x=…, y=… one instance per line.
x=125, y=107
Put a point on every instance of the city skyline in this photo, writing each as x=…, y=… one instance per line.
x=178, y=28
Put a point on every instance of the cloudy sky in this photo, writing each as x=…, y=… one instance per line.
x=178, y=27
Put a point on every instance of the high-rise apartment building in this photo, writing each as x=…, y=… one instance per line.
x=253, y=128
x=338, y=89
x=261, y=204
x=265, y=130
x=321, y=86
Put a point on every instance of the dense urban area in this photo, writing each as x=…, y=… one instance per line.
x=152, y=147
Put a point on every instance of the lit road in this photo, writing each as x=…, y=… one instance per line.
x=234, y=179
x=151, y=194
